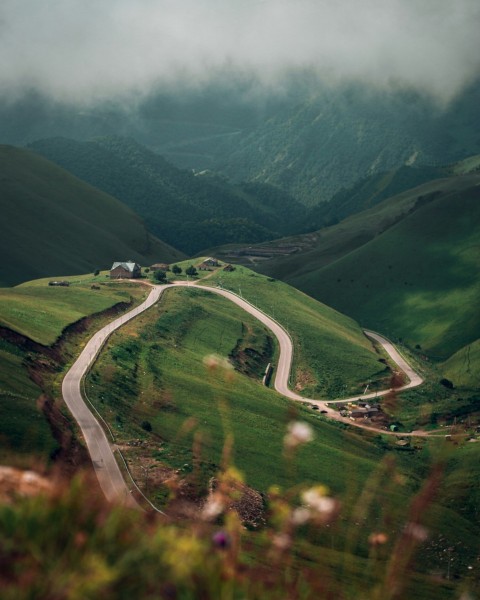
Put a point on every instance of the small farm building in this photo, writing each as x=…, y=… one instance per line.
x=125, y=270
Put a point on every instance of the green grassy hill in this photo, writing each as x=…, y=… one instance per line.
x=463, y=367
x=370, y=191
x=416, y=279
x=154, y=370
x=55, y=224
x=174, y=414
x=41, y=312
x=39, y=334
x=190, y=211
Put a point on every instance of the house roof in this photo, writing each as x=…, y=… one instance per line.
x=128, y=266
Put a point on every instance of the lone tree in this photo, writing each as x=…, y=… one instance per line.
x=176, y=269
x=191, y=270
x=160, y=276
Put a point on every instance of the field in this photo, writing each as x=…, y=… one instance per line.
x=178, y=416
x=174, y=416
x=332, y=358
x=42, y=312
x=153, y=370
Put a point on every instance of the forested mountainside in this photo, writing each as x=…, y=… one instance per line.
x=311, y=141
x=190, y=211
x=329, y=141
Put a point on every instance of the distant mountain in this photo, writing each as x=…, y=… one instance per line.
x=190, y=211
x=408, y=267
x=368, y=192
x=54, y=224
x=339, y=136
x=310, y=140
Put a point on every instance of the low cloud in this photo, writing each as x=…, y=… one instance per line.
x=85, y=50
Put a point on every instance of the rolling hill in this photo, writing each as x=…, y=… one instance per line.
x=190, y=211
x=407, y=267
x=55, y=224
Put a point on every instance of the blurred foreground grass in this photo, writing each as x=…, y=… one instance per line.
x=63, y=541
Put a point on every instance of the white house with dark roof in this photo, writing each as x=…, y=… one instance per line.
x=125, y=270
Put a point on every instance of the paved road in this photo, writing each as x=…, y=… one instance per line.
x=282, y=372
x=101, y=451
x=108, y=473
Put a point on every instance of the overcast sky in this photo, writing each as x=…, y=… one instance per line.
x=88, y=50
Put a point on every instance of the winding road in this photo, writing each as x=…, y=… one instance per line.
x=101, y=450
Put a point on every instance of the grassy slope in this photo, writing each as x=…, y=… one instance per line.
x=169, y=383
x=463, y=367
x=370, y=191
x=23, y=427
x=418, y=280
x=332, y=356
x=41, y=312
x=323, y=247
x=153, y=370
x=54, y=223
x=158, y=374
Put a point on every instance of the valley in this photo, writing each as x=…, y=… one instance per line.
x=147, y=370
x=303, y=324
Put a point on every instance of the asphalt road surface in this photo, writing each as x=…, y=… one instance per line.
x=101, y=452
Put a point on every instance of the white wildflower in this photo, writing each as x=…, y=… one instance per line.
x=213, y=508
x=416, y=531
x=298, y=432
x=301, y=515
x=322, y=507
x=282, y=541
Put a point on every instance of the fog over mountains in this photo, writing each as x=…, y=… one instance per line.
x=83, y=52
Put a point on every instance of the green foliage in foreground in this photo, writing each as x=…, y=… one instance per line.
x=41, y=312
x=70, y=544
